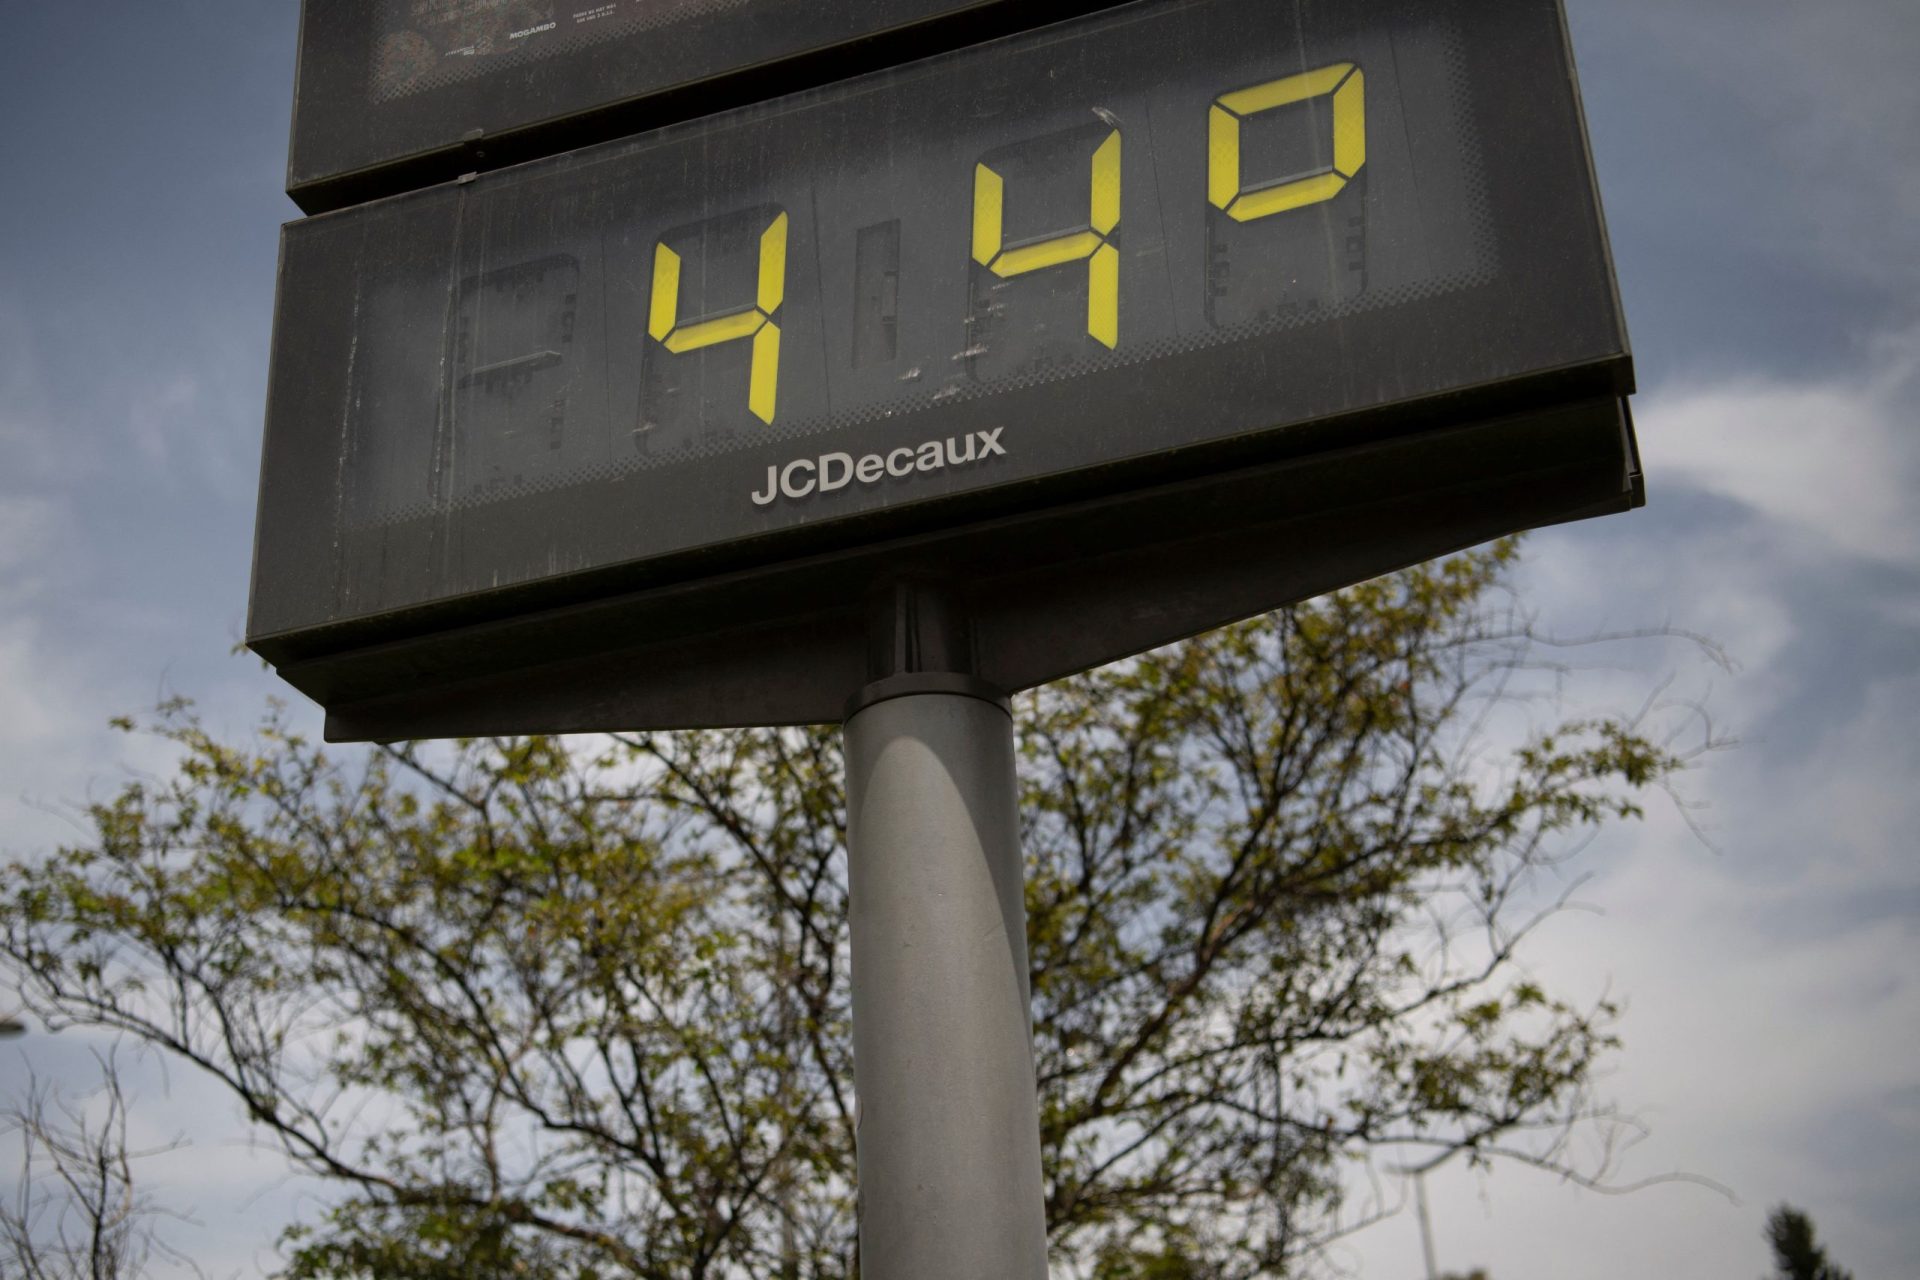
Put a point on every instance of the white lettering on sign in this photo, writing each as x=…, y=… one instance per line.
x=831, y=471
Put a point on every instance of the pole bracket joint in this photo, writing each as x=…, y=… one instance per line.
x=920, y=640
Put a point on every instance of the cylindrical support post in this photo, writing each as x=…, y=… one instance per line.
x=949, y=1134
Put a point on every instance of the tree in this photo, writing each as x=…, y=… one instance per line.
x=1795, y=1255
x=580, y=1009
x=76, y=1213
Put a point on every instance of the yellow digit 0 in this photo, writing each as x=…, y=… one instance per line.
x=1103, y=260
x=756, y=321
x=1346, y=84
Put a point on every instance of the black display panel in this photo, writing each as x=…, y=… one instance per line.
x=1174, y=238
x=398, y=94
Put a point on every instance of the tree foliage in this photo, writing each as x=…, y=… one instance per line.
x=1796, y=1256
x=579, y=1008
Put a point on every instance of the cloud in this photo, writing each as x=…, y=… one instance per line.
x=195, y=414
x=155, y=416
x=25, y=441
x=32, y=528
x=1773, y=995
x=1774, y=1065
x=1788, y=122
x=1836, y=459
x=1772, y=981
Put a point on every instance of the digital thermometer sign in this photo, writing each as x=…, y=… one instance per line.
x=1173, y=239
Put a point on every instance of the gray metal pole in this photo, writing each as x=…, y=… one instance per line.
x=1426, y=1225
x=949, y=1132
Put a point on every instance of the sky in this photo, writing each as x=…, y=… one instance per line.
x=1760, y=165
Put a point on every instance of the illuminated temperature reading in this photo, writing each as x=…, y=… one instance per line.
x=753, y=322
x=1347, y=87
x=1005, y=251
x=1089, y=245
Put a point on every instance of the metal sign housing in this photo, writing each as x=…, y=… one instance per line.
x=397, y=94
x=1132, y=325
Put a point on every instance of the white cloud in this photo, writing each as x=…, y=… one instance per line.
x=41, y=755
x=1772, y=1032
x=1769, y=1026
x=156, y=416
x=57, y=751
x=1837, y=459
x=32, y=529
x=25, y=443
x=30, y=714
x=1772, y=983
x=198, y=421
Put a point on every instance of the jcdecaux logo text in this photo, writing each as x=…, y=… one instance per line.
x=830, y=471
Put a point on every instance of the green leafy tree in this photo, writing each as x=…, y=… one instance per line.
x=580, y=1008
x=1796, y=1256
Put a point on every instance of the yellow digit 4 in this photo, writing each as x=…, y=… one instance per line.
x=1344, y=81
x=1103, y=260
x=756, y=321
